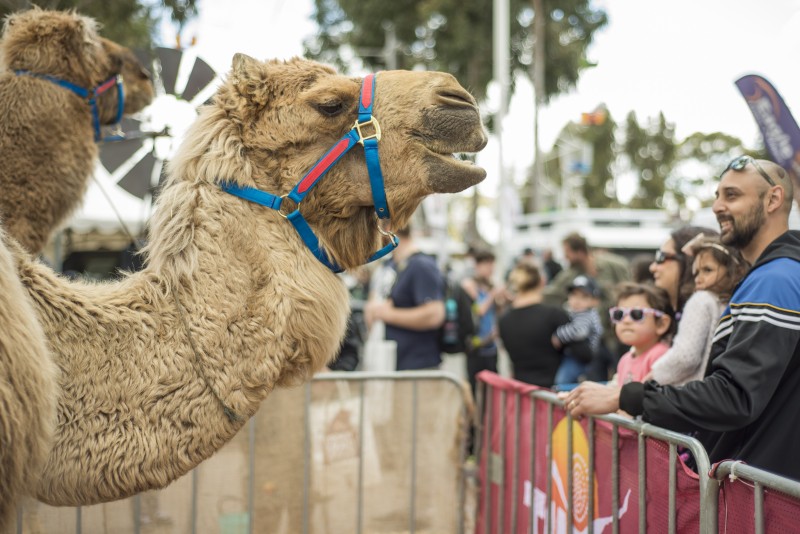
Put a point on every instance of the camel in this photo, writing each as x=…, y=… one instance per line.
x=48, y=127
x=161, y=368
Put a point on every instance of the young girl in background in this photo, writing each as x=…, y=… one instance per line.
x=717, y=269
x=642, y=319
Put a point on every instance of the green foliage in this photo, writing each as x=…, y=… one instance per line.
x=669, y=172
x=569, y=32
x=455, y=36
x=710, y=153
x=129, y=22
x=596, y=184
x=651, y=150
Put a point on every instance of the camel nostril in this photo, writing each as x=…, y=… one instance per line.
x=457, y=98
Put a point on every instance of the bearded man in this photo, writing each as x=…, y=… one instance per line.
x=746, y=406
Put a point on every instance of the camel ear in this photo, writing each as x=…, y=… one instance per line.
x=249, y=78
x=241, y=62
x=242, y=68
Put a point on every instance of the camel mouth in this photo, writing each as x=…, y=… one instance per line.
x=447, y=173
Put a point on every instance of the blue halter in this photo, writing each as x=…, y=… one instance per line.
x=323, y=165
x=90, y=96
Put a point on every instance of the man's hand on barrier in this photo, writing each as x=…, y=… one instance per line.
x=591, y=398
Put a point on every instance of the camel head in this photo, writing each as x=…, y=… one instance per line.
x=289, y=114
x=66, y=46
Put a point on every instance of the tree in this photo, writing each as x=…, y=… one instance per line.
x=596, y=185
x=129, y=22
x=651, y=151
x=700, y=159
x=455, y=36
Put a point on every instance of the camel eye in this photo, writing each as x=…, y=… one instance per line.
x=330, y=109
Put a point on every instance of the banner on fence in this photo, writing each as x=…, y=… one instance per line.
x=512, y=495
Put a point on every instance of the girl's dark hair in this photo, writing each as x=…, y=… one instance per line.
x=529, y=276
x=681, y=237
x=729, y=258
x=656, y=297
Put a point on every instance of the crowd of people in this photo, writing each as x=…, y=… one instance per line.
x=704, y=337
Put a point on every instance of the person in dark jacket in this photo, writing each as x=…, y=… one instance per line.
x=349, y=352
x=746, y=406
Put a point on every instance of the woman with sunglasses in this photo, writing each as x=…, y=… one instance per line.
x=642, y=319
x=672, y=268
x=716, y=269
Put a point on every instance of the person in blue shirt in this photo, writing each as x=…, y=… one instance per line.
x=414, y=310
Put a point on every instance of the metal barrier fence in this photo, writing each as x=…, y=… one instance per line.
x=292, y=471
x=748, y=491
x=519, y=467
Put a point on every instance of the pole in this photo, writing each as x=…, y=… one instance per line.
x=539, y=20
x=390, y=46
x=502, y=76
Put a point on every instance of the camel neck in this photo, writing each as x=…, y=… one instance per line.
x=255, y=325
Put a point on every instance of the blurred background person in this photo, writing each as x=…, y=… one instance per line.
x=527, y=327
x=640, y=269
x=481, y=352
x=607, y=270
x=584, y=328
x=414, y=309
x=550, y=265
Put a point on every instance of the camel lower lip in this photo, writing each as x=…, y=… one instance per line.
x=451, y=175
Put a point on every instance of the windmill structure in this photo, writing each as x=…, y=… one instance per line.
x=183, y=83
x=130, y=168
x=119, y=199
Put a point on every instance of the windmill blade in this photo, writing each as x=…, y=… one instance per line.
x=170, y=61
x=137, y=180
x=182, y=79
x=201, y=77
x=114, y=155
x=130, y=163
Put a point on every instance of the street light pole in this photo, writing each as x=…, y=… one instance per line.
x=502, y=75
x=539, y=21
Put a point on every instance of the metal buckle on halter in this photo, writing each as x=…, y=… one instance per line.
x=375, y=135
x=392, y=237
x=280, y=208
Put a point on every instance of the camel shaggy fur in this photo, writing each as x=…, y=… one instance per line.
x=46, y=131
x=160, y=369
x=48, y=150
x=27, y=392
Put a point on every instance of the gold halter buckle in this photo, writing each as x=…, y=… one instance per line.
x=376, y=134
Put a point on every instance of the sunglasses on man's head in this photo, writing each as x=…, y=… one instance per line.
x=741, y=162
x=617, y=314
x=662, y=256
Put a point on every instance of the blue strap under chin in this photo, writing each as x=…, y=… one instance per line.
x=90, y=96
x=321, y=168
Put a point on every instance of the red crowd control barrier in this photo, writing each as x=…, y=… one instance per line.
x=540, y=467
x=753, y=500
